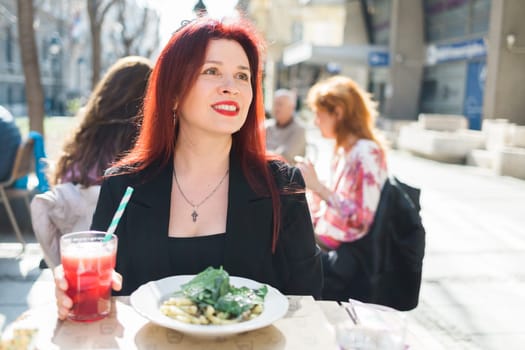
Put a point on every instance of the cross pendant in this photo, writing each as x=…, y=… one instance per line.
x=194, y=215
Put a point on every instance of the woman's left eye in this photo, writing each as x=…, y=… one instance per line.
x=243, y=76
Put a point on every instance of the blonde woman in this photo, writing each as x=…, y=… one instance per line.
x=343, y=209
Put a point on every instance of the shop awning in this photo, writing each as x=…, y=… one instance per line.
x=345, y=54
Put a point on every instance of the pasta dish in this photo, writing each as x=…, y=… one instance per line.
x=210, y=299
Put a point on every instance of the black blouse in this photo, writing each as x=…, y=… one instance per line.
x=191, y=255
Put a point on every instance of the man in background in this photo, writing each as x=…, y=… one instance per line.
x=10, y=140
x=284, y=134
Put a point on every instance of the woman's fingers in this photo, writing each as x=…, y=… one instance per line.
x=116, y=281
x=60, y=280
x=302, y=160
x=309, y=175
x=306, y=168
x=299, y=159
x=64, y=303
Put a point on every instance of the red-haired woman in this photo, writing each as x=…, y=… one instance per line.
x=205, y=194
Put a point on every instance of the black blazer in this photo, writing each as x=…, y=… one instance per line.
x=142, y=256
x=384, y=267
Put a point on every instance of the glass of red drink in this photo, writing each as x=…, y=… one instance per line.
x=88, y=259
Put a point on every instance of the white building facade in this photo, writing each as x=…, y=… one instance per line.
x=64, y=50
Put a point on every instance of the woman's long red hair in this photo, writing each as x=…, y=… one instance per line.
x=175, y=71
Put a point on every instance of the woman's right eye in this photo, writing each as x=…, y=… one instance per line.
x=211, y=71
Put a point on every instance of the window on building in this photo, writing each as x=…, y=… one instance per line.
x=9, y=95
x=429, y=90
x=446, y=19
x=480, y=17
x=443, y=88
x=380, y=13
x=9, y=46
x=449, y=19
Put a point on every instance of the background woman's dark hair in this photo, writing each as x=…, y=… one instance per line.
x=110, y=123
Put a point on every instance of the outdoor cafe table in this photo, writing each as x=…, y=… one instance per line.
x=308, y=324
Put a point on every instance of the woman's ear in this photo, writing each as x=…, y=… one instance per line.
x=174, y=109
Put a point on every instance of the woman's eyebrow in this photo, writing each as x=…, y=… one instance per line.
x=221, y=63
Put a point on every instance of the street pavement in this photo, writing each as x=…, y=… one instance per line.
x=473, y=290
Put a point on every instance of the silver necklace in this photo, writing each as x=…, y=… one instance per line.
x=194, y=214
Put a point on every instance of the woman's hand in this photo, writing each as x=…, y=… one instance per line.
x=310, y=178
x=64, y=303
x=308, y=171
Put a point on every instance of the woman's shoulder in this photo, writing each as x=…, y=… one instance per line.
x=366, y=145
x=286, y=175
x=280, y=168
x=129, y=174
x=364, y=148
x=369, y=152
x=116, y=174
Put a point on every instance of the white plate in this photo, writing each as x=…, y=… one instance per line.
x=146, y=300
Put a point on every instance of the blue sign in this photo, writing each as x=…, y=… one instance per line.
x=463, y=50
x=473, y=104
x=378, y=59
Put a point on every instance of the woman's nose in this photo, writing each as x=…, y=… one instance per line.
x=228, y=86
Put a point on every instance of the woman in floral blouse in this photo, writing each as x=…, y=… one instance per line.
x=343, y=209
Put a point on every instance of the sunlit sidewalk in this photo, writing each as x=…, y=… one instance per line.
x=18, y=274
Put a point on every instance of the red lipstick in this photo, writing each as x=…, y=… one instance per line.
x=226, y=108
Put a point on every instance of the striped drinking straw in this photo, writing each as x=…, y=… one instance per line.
x=118, y=214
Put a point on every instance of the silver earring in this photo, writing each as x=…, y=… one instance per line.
x=174, y=116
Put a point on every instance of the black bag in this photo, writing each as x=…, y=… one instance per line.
x=383, y=267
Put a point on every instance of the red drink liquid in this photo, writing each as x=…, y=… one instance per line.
x=89, y=285
x=88, y=264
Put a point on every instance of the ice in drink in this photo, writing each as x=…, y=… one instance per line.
x=88, y=262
